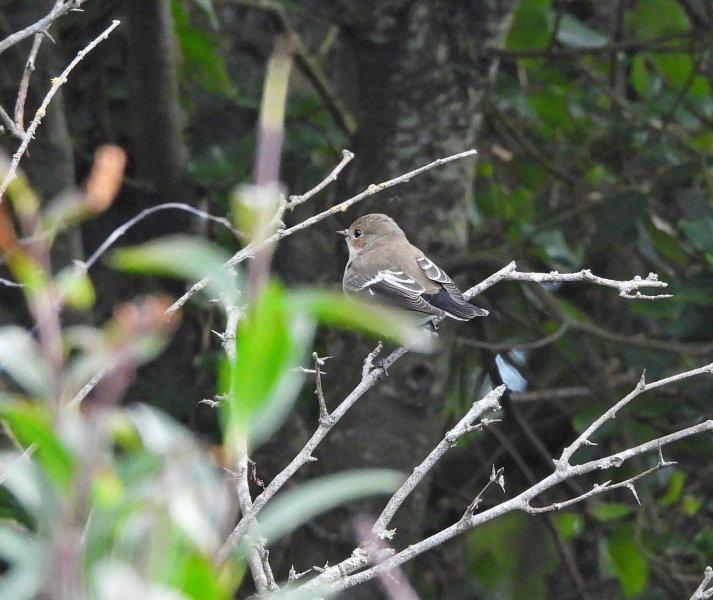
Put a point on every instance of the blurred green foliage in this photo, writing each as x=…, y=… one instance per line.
x=596, y=153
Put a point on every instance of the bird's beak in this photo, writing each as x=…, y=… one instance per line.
x=344, y=232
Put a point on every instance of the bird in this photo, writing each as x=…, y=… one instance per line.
x=384, y=267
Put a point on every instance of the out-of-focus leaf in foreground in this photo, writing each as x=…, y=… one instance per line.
x=183, y=257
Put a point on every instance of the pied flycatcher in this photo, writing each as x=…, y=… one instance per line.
x=383, y=266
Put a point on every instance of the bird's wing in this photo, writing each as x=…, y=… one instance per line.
x=450, y=299
x=393, y=287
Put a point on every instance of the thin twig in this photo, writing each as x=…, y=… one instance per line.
x=490, y=402
x=25, y=81
x=703, y=592
x=60, y=8
x=318, y=363
x=305, y=455
x=293, y=201
x=336, y=580
x=121, y=230
x=250, y=250
x=640, y=388
x=10, y=124
x=88, y=387
x=310, y=67
x=659, y=45
x=496, y=477
x=599, y=488
x=57, y=82
x=8, y=283
x=469, y=521
x=509, y=273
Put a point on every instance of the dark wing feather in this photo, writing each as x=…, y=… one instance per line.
x=449, y=299
x=391, y=287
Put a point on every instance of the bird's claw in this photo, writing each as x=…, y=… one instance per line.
x=381, y=364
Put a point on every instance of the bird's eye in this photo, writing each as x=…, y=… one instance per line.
x=358, y=233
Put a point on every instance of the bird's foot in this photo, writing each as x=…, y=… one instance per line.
x=381, y=364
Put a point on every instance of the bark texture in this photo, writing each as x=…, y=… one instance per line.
x=158, y=150
x=410, y=72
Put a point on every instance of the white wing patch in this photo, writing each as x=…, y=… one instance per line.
x=395, y=279
x=432, y=270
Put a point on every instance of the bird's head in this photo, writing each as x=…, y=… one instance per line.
x=370, y=230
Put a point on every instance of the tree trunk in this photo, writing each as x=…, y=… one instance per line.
x=416, y=92
x=158, y=150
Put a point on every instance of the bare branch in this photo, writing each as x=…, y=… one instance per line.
x=310, y=67
x=509, y=273
x=60, y=8
x=359, y=560
x=318, y=363
x=293, y=201
x=261, y=573
x=496, y=477
x=10, y=124
x=57, y=82
x=25, y=81
x=8, y=283
x=488, y=403
x=599, y=488
x=703, y=591
x=611, y=413
x=332, y=582
x=395, y=583
x=88, y=387
x=121, y=230
x=250, y=250
x=368, y=365
x=305, y=455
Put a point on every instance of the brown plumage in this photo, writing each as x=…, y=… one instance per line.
x=385, y=267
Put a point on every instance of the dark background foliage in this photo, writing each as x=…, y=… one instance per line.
x=594, y=127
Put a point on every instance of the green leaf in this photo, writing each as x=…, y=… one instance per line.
x=572, y=32
x=704, y=541
x=552, y=247
x=550, y=104
x=675, y=66
x=336, y=309
x=512, y=557
x=663, y=240
x=271, y=339
x=530, y=28
x=196, y=577
x=690, y=505
x=32, y=424
x=641, y=77
x=627, y=562
x=569, y=524
x=183, y=257
x=290, y=509
x=697, y=290
x=22, y=358
x=203, y=60
x=650, y=19
x=699, y=232
x=32, y=499
x=75, y=288
x=610, y=511
x=675, y=487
